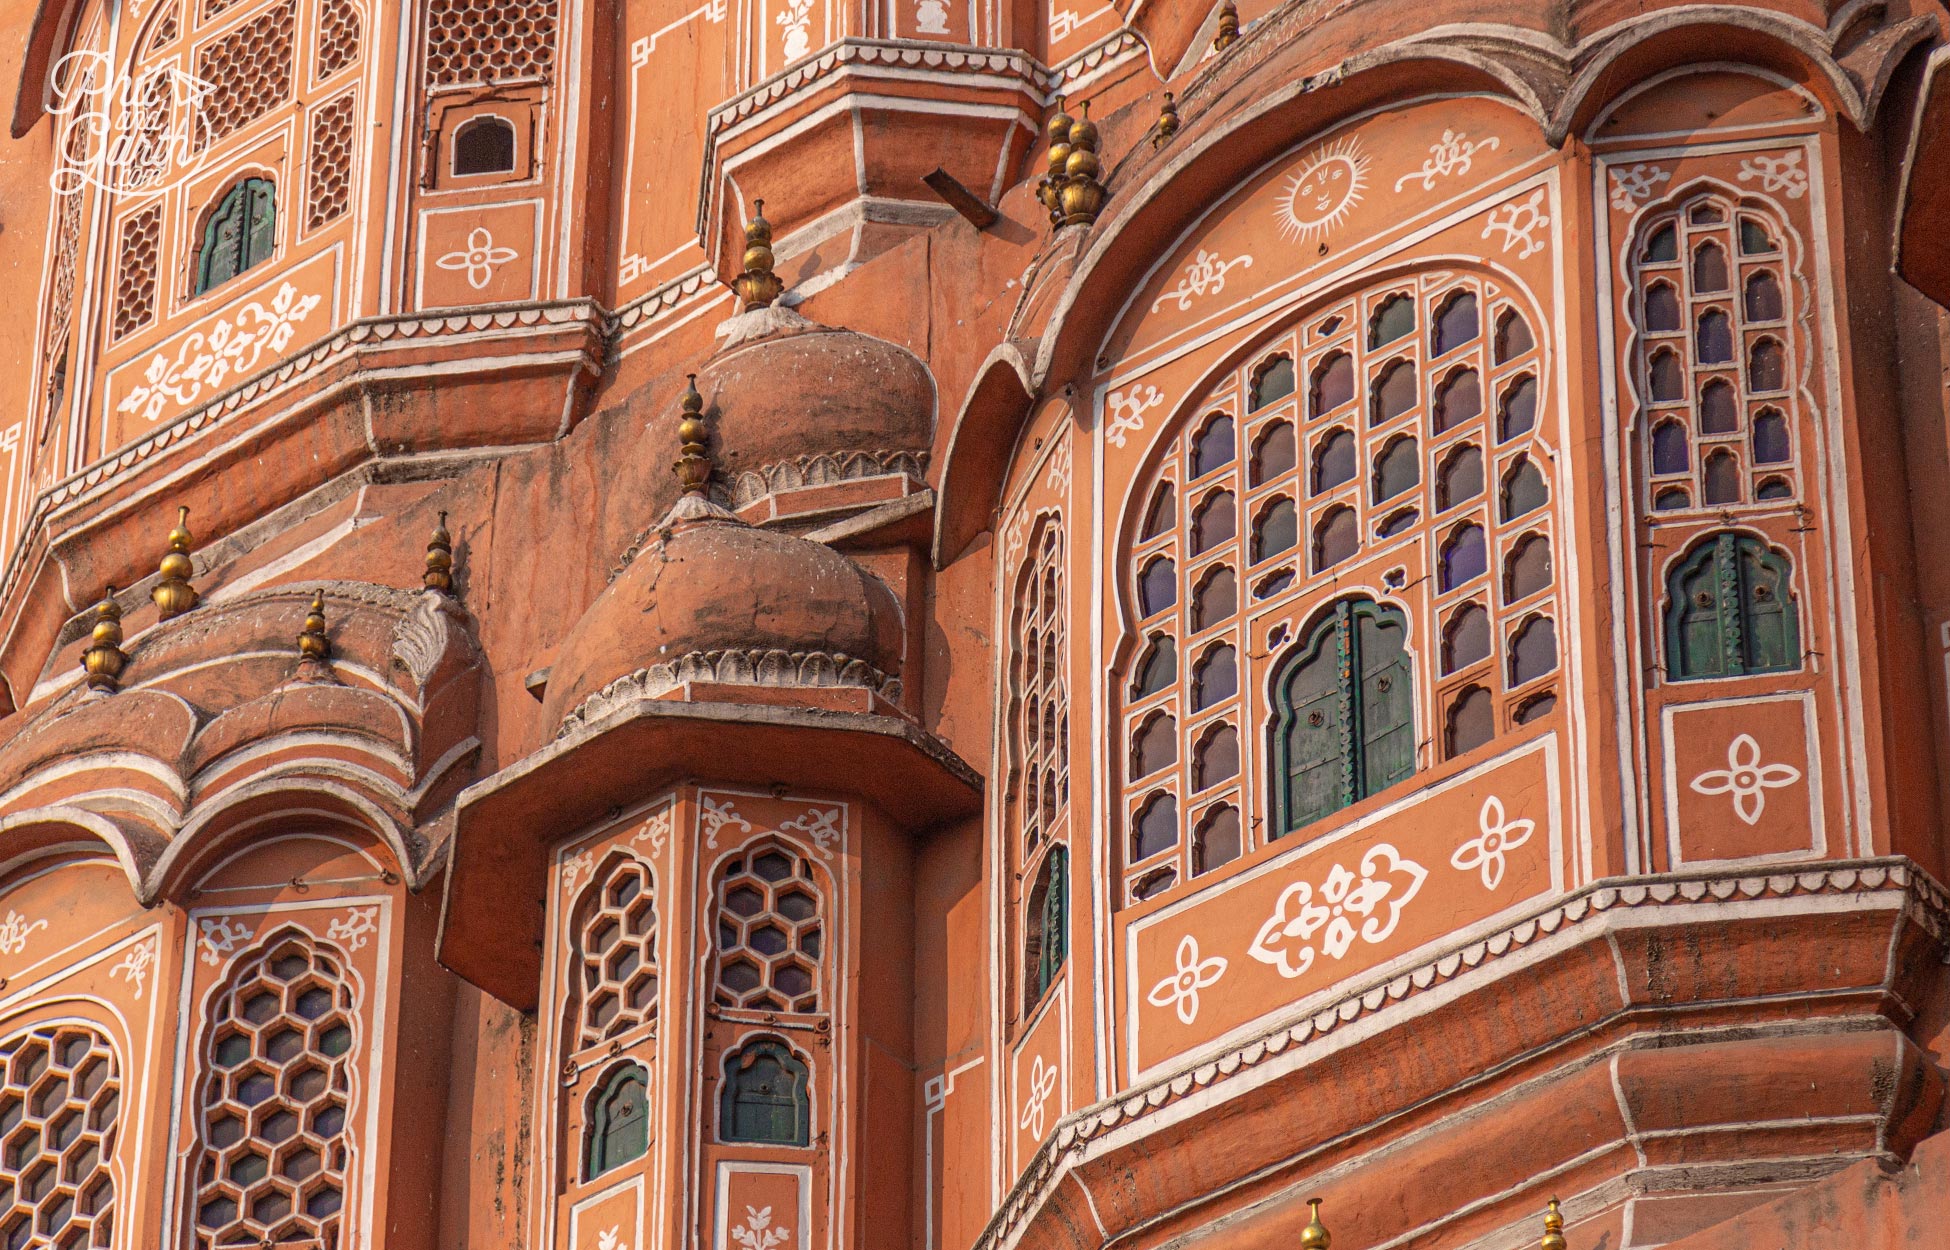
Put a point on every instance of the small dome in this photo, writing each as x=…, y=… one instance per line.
x=792, y=402
x=713, y=599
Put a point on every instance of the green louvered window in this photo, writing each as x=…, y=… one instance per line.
x=1345, y=722
x=1049, y=925
x=766, y=1097
x=241, y=233
x=619, y=1121
x=1730, y=611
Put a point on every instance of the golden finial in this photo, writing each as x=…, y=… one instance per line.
x=693, y=465
x=1167, y=123
x=1050, y=189
x=313, y=645
x=1228, y=27
x=758, y=286
x=1553, y=1228
x=440, y=559
x=1083, y=195
x=173, y=594
x=1315, y=1235
x=104, y=659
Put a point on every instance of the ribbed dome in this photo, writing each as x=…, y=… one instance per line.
x=793, y=401
x=713, y=599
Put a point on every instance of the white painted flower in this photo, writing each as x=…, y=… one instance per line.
x=479, y=259
x=1180, y=989
x=1485, y=852
x=1035, y=1101
x=1746, y=778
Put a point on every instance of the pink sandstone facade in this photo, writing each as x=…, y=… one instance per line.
x=1210, y=606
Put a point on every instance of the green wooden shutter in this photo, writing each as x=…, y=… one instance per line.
x=1730, y=611
x=1387, y=712
x=619, y=1124
x=261, y=237
x=241, y=233
x=765, y=1098
x=1313, y=731
x=1769, y=629
x=1056, y=917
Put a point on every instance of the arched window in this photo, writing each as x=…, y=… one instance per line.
x=1272, y=381
x=767, y=1097
x=1344, y=714
x=1730, y=611
x=616, y=947
x=619, y=1121
x=1046, y=936
x=1039, y=715
x=61, y=1103
x=279, y=1057
x=771, y=930
x=242, y=232
x=484, y=145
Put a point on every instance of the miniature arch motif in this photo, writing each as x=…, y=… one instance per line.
x=1421, y=450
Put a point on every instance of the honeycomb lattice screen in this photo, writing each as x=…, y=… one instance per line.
x=251, y=68
x=617, y=938
x=135, y=282
x=60, y=1107
x=770, y=932
x=474, y=41
x=329, y=157
x=274, y=1095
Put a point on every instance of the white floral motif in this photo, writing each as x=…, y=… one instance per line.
x=1058, y=480
x=1013, y=539
x=1631, y=187
x=611, y=1238
x=716, y=816
x=135, y=964
x=1451, y=154
x=1205, y=274
x=757, y=1232
x=14, y=931
x=1746, y=778
x=1386, y=883
x=230, y=348
x=218, y=936
x=1042, y=1084
x=1127, y=409
x=931, y=17
x=1518, y=222
x=575, y=868
x=358, y=924
x=479, y=258
x=1180, y=989
x=1485, y=852
x=795, y=17
x=656, y=829
x=821, y=826
x=1781, y=173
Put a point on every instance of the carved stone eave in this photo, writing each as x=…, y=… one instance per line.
x=492, y=916
x=1837, y=952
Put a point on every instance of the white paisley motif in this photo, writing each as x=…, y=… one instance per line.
x=14, y=931
x=1451, y=154
x=758, y=1232
x=1518, y=222
x=656, y=828
x=1205, y=274
x=358, y=924
x=1127, y=409
x=1485, y=852
x=1746, y=778
x=716, y=816
x=1781, y=173
x=1058, y=480
x=575, y=868
x=1180, y=990
x=1301, y=918
x=135, y=964
x=231, y=348
x=479, y=259
x=1632, y=187
x=1042, y=1084
x=821, y=826
x=218, y=936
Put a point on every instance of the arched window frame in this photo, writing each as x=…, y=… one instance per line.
x=1733, y=643
x=595, y=975
x=73, y=1054
x=743, y=1060
x=600, y=1117
x=253, y=199
x=1046, y=926
x=735, y=922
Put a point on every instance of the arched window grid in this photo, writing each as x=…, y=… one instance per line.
x=61, y=1102
x=1724, y=265
x=616, y=977
x=1503, y=350
x=1039, y=710
x=771, y=931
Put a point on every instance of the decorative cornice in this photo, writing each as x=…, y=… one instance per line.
x=754, y=667
x=824, y=469
x=894, y=55
x=1922, y=900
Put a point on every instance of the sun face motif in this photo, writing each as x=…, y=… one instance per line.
x=1323, y=191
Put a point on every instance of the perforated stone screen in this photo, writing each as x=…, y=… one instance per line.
x=251, y=69
x=770, y=932
x=59, y=1112
x=470, y=41
x=617, y=938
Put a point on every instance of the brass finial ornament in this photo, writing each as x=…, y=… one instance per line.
x=104, y=659
x=1553, y=1228
x=1315, y=1235
x=440, y=559
x=1228, y=27
x=1050, y=189
x=758, y=286
x=693, y=464
x=174, y=595
x=1167, y=123
x=1083, y=195
x=313, y=645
